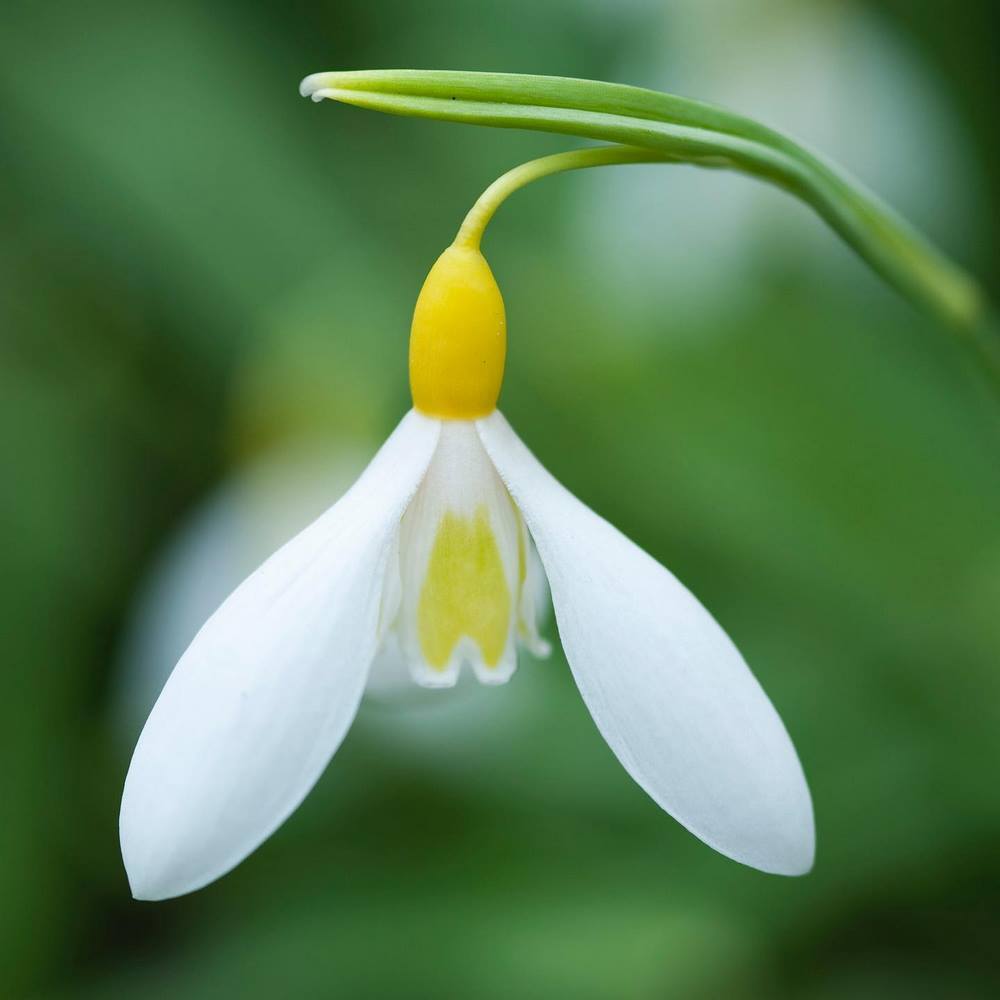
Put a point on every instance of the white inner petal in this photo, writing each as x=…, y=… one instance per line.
x=534, y=603
x=464, y=568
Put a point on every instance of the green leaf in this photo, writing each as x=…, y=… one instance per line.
x=683, y=131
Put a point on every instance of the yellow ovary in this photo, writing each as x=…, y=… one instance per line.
x=458, y=341
x=465, y=592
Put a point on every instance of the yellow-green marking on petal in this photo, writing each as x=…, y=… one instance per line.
x=465, y=592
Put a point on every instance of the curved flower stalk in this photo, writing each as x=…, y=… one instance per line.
x=685, y=131
x=437, y=559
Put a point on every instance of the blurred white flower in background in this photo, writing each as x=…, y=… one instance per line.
x=829, y=75
x=250, y=514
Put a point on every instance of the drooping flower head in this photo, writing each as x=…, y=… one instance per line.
x=440, y=554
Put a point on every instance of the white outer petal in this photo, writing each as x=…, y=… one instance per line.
x=268, y=688
x=667, y=688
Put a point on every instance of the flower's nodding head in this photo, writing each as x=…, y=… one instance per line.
x=458, y=341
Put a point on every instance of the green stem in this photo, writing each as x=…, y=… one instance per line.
x=671, y=129
x=471, y=232
x=684, y=131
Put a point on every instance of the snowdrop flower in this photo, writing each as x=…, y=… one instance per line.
x=440, y=551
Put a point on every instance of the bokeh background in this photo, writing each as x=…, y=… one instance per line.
x=205, y=292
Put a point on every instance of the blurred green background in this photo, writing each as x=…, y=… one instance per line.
x=205, y=292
